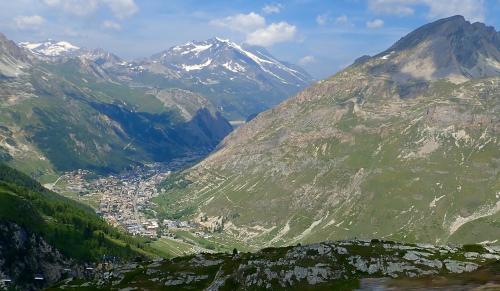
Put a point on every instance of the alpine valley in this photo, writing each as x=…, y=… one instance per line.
x=66, y=108
x=214, y=166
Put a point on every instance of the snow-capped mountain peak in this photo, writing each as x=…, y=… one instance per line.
x=220, y=59
x=50, y=48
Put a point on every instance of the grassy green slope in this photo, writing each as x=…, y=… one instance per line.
x=72, y=228
x=350, y=158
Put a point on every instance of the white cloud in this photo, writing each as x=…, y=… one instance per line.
x=342, y=20
x=122, y=8
x=256, y=29
x=119, y=8
x=326, y=18
x=77, y=7
x=32, y=22
x=322, y=19
x=307, y=60
x=474, y=10
x=398, y=7
x=376, y=23
x=109, y=24
x=241, y=22
x=272, y=34
x=272, y=8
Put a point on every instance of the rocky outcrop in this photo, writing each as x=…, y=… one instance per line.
x=322, y=265
x=28, y=262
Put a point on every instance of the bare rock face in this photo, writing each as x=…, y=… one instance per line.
x=449, y=48
x=12, y=59
x=23, y=254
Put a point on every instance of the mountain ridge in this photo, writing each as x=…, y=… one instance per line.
x=450, y=48
x=322, y=164
x=238, y=80
x=66, y=112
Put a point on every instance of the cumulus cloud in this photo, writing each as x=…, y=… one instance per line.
x=272, y=34
x=32, y=22
x=77, y=7
x=307, y=60
x=326, y=18
x=376, y=23
x=241, y=22
x=256, y=29
x=122, y=8
x=473, y=10
x=272, y=8
x=109, y=24
x=119, y=8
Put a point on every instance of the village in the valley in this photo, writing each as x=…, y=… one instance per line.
x=124, y=200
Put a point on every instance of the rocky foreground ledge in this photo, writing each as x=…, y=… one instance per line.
x=343, y=265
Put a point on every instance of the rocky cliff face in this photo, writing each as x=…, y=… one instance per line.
x=24, y=256
x=12, y=58
x=450, y=48
x=375, y=151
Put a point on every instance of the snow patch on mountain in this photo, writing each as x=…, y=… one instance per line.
x=197, y=49
x=50, y=48
x=188, y=68
x=231, y=61
x=234, y=67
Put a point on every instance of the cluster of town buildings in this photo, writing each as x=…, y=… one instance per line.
x=125, y=201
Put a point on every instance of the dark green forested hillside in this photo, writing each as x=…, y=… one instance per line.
x=44, y=233
x=72, y=228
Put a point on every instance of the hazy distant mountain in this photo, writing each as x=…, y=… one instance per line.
x=240, y=80
x=404, y=145
x=217, y=59
x=50, y=48
x=66, y=109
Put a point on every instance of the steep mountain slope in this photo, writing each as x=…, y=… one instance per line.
x=450, y=48
x=69, y=113
x=375, y=151
x=12, y=59
x=42, y=233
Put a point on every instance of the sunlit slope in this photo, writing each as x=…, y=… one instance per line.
x=362, y=154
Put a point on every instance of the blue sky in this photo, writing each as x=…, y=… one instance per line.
x=321, y=35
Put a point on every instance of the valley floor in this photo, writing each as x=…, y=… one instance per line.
x=124, y=201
